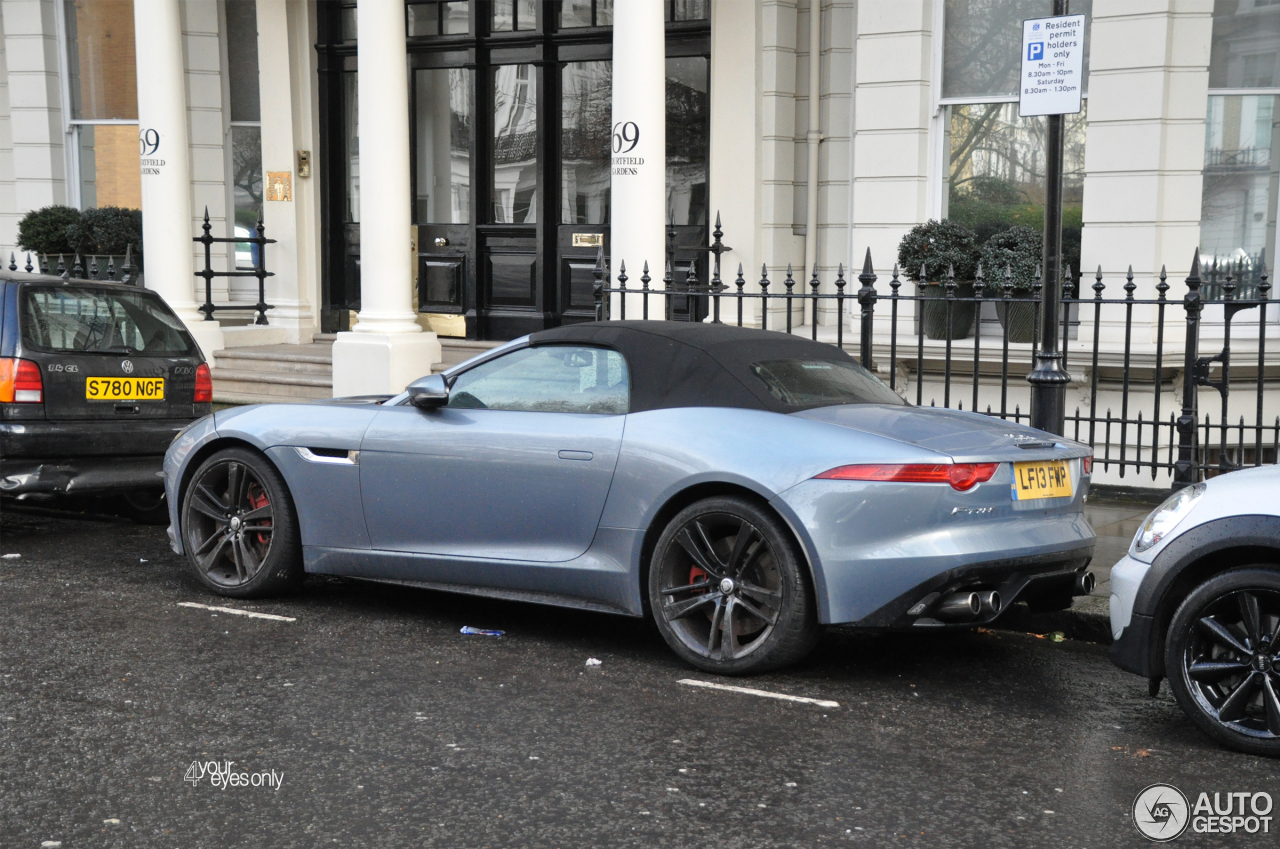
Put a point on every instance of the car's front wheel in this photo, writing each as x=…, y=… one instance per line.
x=1222, y=657
x=239, y=526
x=728, y=590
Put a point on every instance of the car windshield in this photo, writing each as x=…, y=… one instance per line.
x=822, y=383
x=89, y=320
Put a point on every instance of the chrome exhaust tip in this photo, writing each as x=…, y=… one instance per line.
x=1085, y=582
x=959, y=607
x=991, y=603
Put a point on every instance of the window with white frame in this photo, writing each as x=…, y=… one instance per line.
x=244, y=125
x=102, y=92
x=993, y=160
x=1241, y=160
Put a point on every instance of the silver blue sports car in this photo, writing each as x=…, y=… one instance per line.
x=742, y=487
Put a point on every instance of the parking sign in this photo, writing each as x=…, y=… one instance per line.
x=1052, y=66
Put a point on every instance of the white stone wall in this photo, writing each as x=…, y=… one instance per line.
x=8, y=205
x=34, y=111
x=893, y=104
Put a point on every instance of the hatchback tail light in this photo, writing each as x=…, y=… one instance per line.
x=1087, y=465
x=20, y=382
x=204, y=384
x=961, y=476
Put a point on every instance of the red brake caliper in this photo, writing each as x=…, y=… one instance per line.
x=258, y=498
x=697, y=574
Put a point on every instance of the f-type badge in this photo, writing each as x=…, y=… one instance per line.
x=971, y=511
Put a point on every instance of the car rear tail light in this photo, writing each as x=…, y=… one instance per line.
x=961, y=476
x=204, y=384
x=1087, y=465
x=20, y=382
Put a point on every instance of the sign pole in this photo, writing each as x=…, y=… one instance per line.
x=1048, y=379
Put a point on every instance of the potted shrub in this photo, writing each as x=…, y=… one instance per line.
x=1013, y=258
x=44, y=231
x=925, y=255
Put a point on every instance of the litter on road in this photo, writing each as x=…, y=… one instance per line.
x=593, y=661
x=10, y=556
x=749, y=691
x=480, y=632
x=248, y=613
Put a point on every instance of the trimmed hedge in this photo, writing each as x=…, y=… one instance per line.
x=45, y=230
x=107, y=230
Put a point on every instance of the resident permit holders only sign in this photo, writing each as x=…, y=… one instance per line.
x=1052, y=66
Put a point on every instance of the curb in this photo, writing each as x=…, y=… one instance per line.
x=1074, y=623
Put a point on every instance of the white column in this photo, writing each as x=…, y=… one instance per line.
x=166, y=165
x=638, y=204
x=292, y=318
x=388, y=349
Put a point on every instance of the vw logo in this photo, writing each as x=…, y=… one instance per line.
x=127, y=366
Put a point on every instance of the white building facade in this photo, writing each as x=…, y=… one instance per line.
x=450, y=169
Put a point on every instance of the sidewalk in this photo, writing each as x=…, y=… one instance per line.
x=1089, y=617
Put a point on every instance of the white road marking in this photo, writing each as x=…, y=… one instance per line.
x=248, y=613
x=763, y=693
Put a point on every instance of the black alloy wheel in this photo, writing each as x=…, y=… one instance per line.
x=728, y=591
x=1222, y=656
x=239, y=527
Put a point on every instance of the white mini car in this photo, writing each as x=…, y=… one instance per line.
x=1197, y=600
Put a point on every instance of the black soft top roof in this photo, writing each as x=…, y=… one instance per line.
x=683, y=364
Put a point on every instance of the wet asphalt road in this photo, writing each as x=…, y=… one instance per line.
x=389, y=728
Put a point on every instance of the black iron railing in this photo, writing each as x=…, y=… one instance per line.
x=947, y=337
x=259, y=244
x=94, y=271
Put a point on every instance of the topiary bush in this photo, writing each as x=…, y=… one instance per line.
x=925, y=255
x=1019, y=249
x=106, y=230
x=936, y=246
x=45, y=230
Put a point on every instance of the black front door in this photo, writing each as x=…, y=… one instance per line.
x=510, y=110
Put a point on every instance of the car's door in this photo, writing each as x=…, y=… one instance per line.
x=516, y=467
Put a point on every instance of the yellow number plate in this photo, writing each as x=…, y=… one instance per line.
x=124, y=388
x=1041, y=479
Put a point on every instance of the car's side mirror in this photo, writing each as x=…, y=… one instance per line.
x=429, y=393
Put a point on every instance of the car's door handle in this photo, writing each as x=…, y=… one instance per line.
x=575, y=455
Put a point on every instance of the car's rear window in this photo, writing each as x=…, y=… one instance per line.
x=88, y=320
x=822, y=383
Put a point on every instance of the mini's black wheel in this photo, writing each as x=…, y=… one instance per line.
x=239, y=527
x=1222, y=657
x=728, y=590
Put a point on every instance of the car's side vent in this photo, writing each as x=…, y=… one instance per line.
x=337, y=456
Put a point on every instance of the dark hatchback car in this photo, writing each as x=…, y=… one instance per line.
x=96, y=379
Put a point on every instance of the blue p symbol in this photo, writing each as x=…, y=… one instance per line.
x=1035, y=50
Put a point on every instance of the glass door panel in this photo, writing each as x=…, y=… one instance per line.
x=585, y=109
x=443, y=125
x=515, y=145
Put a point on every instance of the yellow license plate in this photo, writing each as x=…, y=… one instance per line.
x=124, y=388
x=1041, y=479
